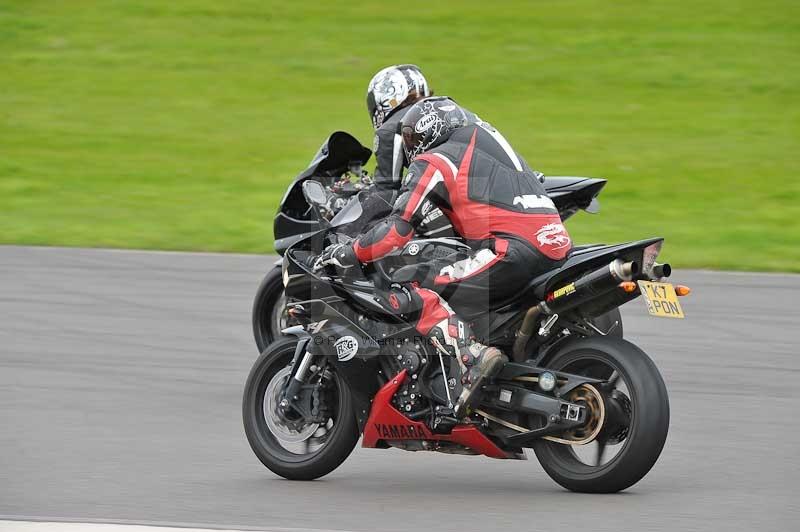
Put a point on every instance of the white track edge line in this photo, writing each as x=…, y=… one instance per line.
x=14, y=523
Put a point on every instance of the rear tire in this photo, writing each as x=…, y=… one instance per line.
x=267, y=447
x=265, y=312
x=648, y=427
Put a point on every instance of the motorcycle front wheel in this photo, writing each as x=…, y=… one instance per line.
x=290, y=447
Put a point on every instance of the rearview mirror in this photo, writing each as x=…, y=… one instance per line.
x=315, y=193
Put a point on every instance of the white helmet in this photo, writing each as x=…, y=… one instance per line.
x=393, y=88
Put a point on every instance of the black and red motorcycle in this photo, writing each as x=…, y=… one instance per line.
x=592, y=406
x=338, y=166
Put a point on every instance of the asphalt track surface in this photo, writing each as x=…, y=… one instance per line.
x=120, y=385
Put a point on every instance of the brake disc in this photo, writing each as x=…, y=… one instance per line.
x=272, y=415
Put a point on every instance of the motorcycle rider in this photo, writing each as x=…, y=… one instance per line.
x=496, y=203
x=390, y=94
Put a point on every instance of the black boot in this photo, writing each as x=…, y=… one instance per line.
x=482, y=362
x=476, y=360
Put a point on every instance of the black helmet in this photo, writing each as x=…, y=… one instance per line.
x=393, y=88
x=430, y=123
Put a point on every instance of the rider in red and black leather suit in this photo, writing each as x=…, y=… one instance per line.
x=495, y=202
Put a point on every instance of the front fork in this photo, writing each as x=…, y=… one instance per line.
x=300, y=365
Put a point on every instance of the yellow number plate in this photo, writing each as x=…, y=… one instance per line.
x=661, y=299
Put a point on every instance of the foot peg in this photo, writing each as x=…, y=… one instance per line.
x=443, y=420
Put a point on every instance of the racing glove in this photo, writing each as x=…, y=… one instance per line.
x=339, y=255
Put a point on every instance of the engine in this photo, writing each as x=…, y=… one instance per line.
x=408, y=398
x=426, y=386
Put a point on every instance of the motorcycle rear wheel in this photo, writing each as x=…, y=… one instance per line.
x=644, y=400
x=262, y=423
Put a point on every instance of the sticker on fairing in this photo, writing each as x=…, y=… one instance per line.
x=346, y=348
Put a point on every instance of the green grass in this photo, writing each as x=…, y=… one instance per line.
x=177, y=125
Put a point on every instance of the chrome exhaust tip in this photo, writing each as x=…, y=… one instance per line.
x=623, y=271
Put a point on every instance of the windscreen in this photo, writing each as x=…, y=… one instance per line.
x=349, y=213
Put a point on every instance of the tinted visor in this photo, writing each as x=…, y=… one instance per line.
x=412, y=142
x=374, y=115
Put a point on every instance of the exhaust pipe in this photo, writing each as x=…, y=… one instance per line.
x=589, y=286
x=661, y=271
x=524, y=333
x=571, y=295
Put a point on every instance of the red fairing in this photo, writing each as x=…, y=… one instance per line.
x=393, y=240
x=432, y=310
x=387, y=423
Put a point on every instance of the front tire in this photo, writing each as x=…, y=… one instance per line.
x=268, y=307
x=645, y=402
x=270, y=445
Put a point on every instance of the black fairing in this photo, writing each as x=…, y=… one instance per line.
x=334, y=325
x=571, y=194
x=336, y=154
x=498, y=326
x=587, y=259
x=359, y=370
x=333, y=159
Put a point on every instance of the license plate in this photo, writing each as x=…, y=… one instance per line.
x=661, y=299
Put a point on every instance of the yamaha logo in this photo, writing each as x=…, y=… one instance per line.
x=413, y=249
